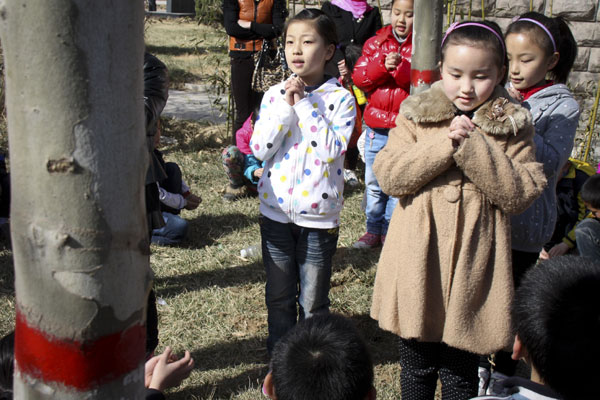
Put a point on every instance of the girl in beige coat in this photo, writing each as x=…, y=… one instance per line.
x=461, y=159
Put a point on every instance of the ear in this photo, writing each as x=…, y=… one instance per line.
x=553, y=60
x=372, y=394
x=439, y=65
x=268, y=388
x=519, y=351
x=330, y=52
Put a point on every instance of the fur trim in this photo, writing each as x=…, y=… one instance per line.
x=500, y=115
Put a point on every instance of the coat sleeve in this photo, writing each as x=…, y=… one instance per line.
x=401, y=75
x=405, y=165
x=554, y=147
x=370, y=72
x=273, y=123
x=510, y=178
x=329, y=140
x=251, y=164
x=231, y=14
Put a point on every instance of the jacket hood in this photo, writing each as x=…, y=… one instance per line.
x=499, y=115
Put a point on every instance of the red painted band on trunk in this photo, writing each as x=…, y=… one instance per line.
x=426, y=77
x=76, y=364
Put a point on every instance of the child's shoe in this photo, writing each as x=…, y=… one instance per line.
x=232, y=194
x=350, y=178
x=367, y=241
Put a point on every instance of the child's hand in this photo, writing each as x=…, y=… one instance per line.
x=460, y=127
x=192, y=202
x=344, y=73
x=294, y=90
x=392, y=60
x=515, y=94
x=258, y=172
x=558, y=250
x=168, y=372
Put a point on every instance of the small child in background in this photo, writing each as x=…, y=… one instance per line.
x=460, y=160
x=557, y=323
x=302, y=134
x=352, y=53
x=241, y=166
x=383, y=71
x=321, y=358
x=571, y=208
x=587, y=233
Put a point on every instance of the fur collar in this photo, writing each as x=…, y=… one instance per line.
x=501, y=115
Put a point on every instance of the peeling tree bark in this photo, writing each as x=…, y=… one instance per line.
x=78, y=162
x=427, y=32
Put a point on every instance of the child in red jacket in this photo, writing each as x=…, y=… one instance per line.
x=383, y=71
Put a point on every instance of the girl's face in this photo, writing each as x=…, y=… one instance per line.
x=528, y=63
x=306, y=52
x=402, y=17
x=469, y=75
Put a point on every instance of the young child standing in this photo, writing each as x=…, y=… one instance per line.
x=460, y=160
x=301, y=134
x=383, y=71
x=541, y=52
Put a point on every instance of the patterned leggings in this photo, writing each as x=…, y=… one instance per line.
x=233, y=162
x=421, y=363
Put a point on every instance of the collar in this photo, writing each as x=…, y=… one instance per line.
x=500, y=115
x=527, y=93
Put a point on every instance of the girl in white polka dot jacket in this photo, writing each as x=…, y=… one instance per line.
x=301, y=134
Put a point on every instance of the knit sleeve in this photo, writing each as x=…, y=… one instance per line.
x=406, y=164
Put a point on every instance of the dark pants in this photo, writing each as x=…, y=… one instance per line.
x=244, y=97
x=422, y=362
x=521, y=262
x=151, y=5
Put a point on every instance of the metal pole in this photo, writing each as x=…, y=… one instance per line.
x=427, y=32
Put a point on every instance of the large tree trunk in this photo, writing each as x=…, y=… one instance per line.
x=427, y=35
x=78, y=162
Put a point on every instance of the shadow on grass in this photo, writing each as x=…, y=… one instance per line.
x=207, y=228
x=358, y=258
x=226, y=388
x=226, y=277
x=185, y=50
x=383, y=345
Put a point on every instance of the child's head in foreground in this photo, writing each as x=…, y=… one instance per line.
x=590, y=194
x=473, y=63
x=556, y=313
x=321, y=358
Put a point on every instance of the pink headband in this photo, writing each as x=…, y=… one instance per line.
x=538, y=23
x=457, y=25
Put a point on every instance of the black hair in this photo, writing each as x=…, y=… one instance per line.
x=7, y=349
x=557, y=319
x=477, y=36
x=566, y=45
x=322, y=358
x=255, y=112
x=352, y=53
x=323, y=24
x=590, y=191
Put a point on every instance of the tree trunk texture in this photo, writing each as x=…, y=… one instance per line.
x=427, y=34
x=74, y=95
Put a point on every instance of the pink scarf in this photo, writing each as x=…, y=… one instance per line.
x=357, y=7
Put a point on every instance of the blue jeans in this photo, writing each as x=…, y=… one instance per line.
x=587, y=236
x=298, y=266
x=172, y=233
x=380, y=206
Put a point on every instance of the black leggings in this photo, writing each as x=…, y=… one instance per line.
x=422, y=362
x=244, y=97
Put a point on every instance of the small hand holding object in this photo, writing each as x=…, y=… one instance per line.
x=544, y=255
x=344, y=73
x=168, y=371
x=294, y=90
x=258, y=172
x=392, y=60
x=192, y=202
x=244, y=24
x=460, y=127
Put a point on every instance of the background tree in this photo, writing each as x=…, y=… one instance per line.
x=78, y=163
x=427, y=32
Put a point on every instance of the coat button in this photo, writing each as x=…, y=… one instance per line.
x=451, y=194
